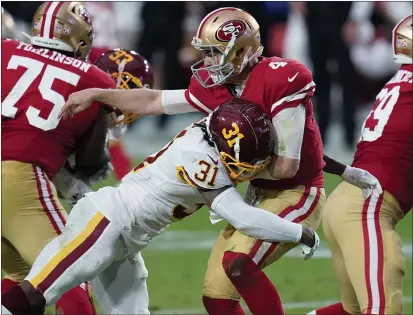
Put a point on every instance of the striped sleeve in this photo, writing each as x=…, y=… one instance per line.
x=300, y=89
x=196, y=103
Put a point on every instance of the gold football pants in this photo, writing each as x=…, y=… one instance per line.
x=32, y=215
x=300, y=205
x=367, y=252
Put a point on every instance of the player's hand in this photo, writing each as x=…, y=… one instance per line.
x=362, y=179
x=77, y=102
x=309, y=242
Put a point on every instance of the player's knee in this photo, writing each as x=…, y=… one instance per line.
x=394, y=306
x=236, y=264
x=396, y=303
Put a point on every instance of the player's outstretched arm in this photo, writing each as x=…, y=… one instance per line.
x=353, y=175
x=139, y=101
x=255, y=222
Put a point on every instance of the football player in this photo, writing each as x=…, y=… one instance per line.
x=35, y=143
x=367, y=252
x=130, y=71
x=107, y=229
x=104, y=24
x=292, y=185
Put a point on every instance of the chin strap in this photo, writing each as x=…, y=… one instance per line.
x=237, y=148
x=121, y=68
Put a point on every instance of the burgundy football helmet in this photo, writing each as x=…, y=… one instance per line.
x=244, y=136
x=130, y=71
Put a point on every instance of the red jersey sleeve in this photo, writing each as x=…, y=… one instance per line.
x=98, y=79
x=206, y=99
x=291, y=84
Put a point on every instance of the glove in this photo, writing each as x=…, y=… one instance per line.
x=69, y=187
x=362, y=179
x=117, y=131
x=309, y=251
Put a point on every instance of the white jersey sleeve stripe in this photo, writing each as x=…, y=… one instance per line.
x=300, y=94
x=198, y=103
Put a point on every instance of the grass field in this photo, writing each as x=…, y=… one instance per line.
x=177, y=261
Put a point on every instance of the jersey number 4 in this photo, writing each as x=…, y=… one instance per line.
x=373, y=126
x=34, y=68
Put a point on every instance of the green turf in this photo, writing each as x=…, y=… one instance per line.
x=175, y=277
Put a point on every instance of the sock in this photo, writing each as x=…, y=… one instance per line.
x=74, y=302
x=120, y=161
x=221, y=306
x=336, y=309
x=252, y=284
x=7, y=284
x=15, y=301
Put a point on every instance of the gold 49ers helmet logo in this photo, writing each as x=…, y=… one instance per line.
x=228, y=29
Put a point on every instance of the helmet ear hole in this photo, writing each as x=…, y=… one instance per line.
x=239, y=52
x=79, y=50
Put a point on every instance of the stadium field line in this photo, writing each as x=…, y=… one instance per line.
x=177, y=240
x=286, y=306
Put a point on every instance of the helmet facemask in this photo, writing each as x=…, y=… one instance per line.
x=231, y=62
x=126, y=81
x=242, y=171
x=217, y=72
x=238, y=171
x=234, y=34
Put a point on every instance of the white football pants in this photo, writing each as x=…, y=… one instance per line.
x=91, y=248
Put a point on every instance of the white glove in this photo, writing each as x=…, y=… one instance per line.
x=69, y=187
x=309, y=251
x=362, y=179
x=116, y=130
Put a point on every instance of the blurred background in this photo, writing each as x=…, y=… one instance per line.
x=347, y=45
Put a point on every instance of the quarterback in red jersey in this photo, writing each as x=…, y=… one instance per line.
x=35, y=143
x=291, y=187
x=354, y=227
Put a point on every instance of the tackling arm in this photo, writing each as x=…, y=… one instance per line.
x=255, y=222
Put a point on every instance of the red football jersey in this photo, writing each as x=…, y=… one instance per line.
x=386, y=144
x=274, y=84
x=35, y=84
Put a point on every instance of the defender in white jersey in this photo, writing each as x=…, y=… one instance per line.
x=107, y=229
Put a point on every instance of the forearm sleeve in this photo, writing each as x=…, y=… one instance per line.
x=174, y=102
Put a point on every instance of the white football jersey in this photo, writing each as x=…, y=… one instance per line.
x=163, y=188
